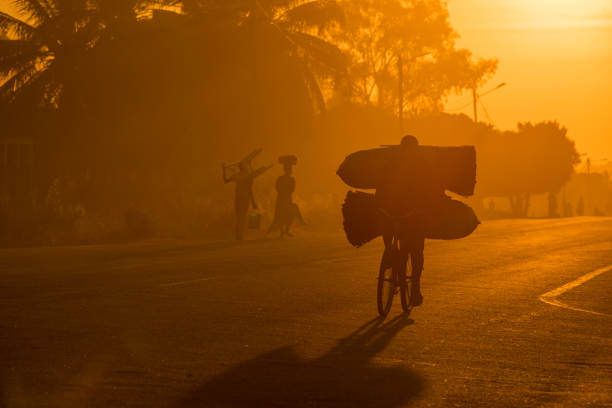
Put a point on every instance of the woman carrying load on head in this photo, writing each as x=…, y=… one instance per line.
x=286, y=210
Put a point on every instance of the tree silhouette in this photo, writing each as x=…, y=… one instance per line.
x=136, y=101
x=537, y=158
x=377, y=32
x=40, y=57
x=155, y=96
x=44, y=51
x=295, y=28
x=534, y=159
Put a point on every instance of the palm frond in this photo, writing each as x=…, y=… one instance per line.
x=70, y=8
x=194, y=7
x=313, y=87
x=320, y=51
x=170, y=5
x=167, y=16
x=317, y=13
x=40, y=10
x=16, y=54
x=272, y=5
x=10, y=88
x=15, y=26
x=39, y=89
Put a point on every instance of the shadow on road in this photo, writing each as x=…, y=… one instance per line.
x=342, y=377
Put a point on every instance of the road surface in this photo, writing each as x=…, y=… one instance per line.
x=270, y=323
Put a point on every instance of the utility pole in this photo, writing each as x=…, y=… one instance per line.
x=475, y=100
x=400, y=75
x=588, y=184
x=475, y=97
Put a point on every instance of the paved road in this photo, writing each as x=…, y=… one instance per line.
x=293, y=323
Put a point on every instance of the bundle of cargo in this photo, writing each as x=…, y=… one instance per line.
x=454, y=166
x=360, y=216
x=445, y=219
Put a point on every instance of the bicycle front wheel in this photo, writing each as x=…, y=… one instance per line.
x=404, y=275
x=386, y=287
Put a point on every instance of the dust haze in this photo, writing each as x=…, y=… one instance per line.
x=170, y=167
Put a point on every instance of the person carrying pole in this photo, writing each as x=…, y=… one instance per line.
x=244, y=197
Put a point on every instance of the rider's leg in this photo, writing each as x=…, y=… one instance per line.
x=387, y=233
x=403, y=254
x=417, y=258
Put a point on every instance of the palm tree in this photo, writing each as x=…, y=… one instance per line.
x=291, y=26
x=42, y=54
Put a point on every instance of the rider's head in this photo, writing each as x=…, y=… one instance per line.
x=409, y=144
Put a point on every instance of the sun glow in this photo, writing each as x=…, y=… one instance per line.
x=564, y=13
x=555, y=56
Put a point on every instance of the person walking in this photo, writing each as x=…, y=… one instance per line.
x=244, y=192
x=286, y=210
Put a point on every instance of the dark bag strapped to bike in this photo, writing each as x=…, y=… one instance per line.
x=449, y=219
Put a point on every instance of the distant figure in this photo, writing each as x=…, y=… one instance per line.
x=244, y=190
x=580, y=208
x=403, y=196
x=492, y=206
x=286, y=210
x=568, y=211
x=552, y=206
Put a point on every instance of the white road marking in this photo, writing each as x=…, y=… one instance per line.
x=550, y=297
x=185, y=282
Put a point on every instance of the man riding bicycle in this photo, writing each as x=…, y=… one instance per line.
x=405, y=195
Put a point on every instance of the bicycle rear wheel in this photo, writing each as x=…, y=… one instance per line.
x=404, y=275
x=386, y=287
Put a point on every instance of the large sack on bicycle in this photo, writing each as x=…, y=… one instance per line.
x=454, y=166
x=449, y=219
x=360, y=218
x=445, y=219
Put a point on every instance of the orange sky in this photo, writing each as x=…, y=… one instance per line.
x=555, y=56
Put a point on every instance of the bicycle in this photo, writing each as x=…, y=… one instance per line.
x=392, y=276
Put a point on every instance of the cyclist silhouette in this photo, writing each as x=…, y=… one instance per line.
x=406, y=191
